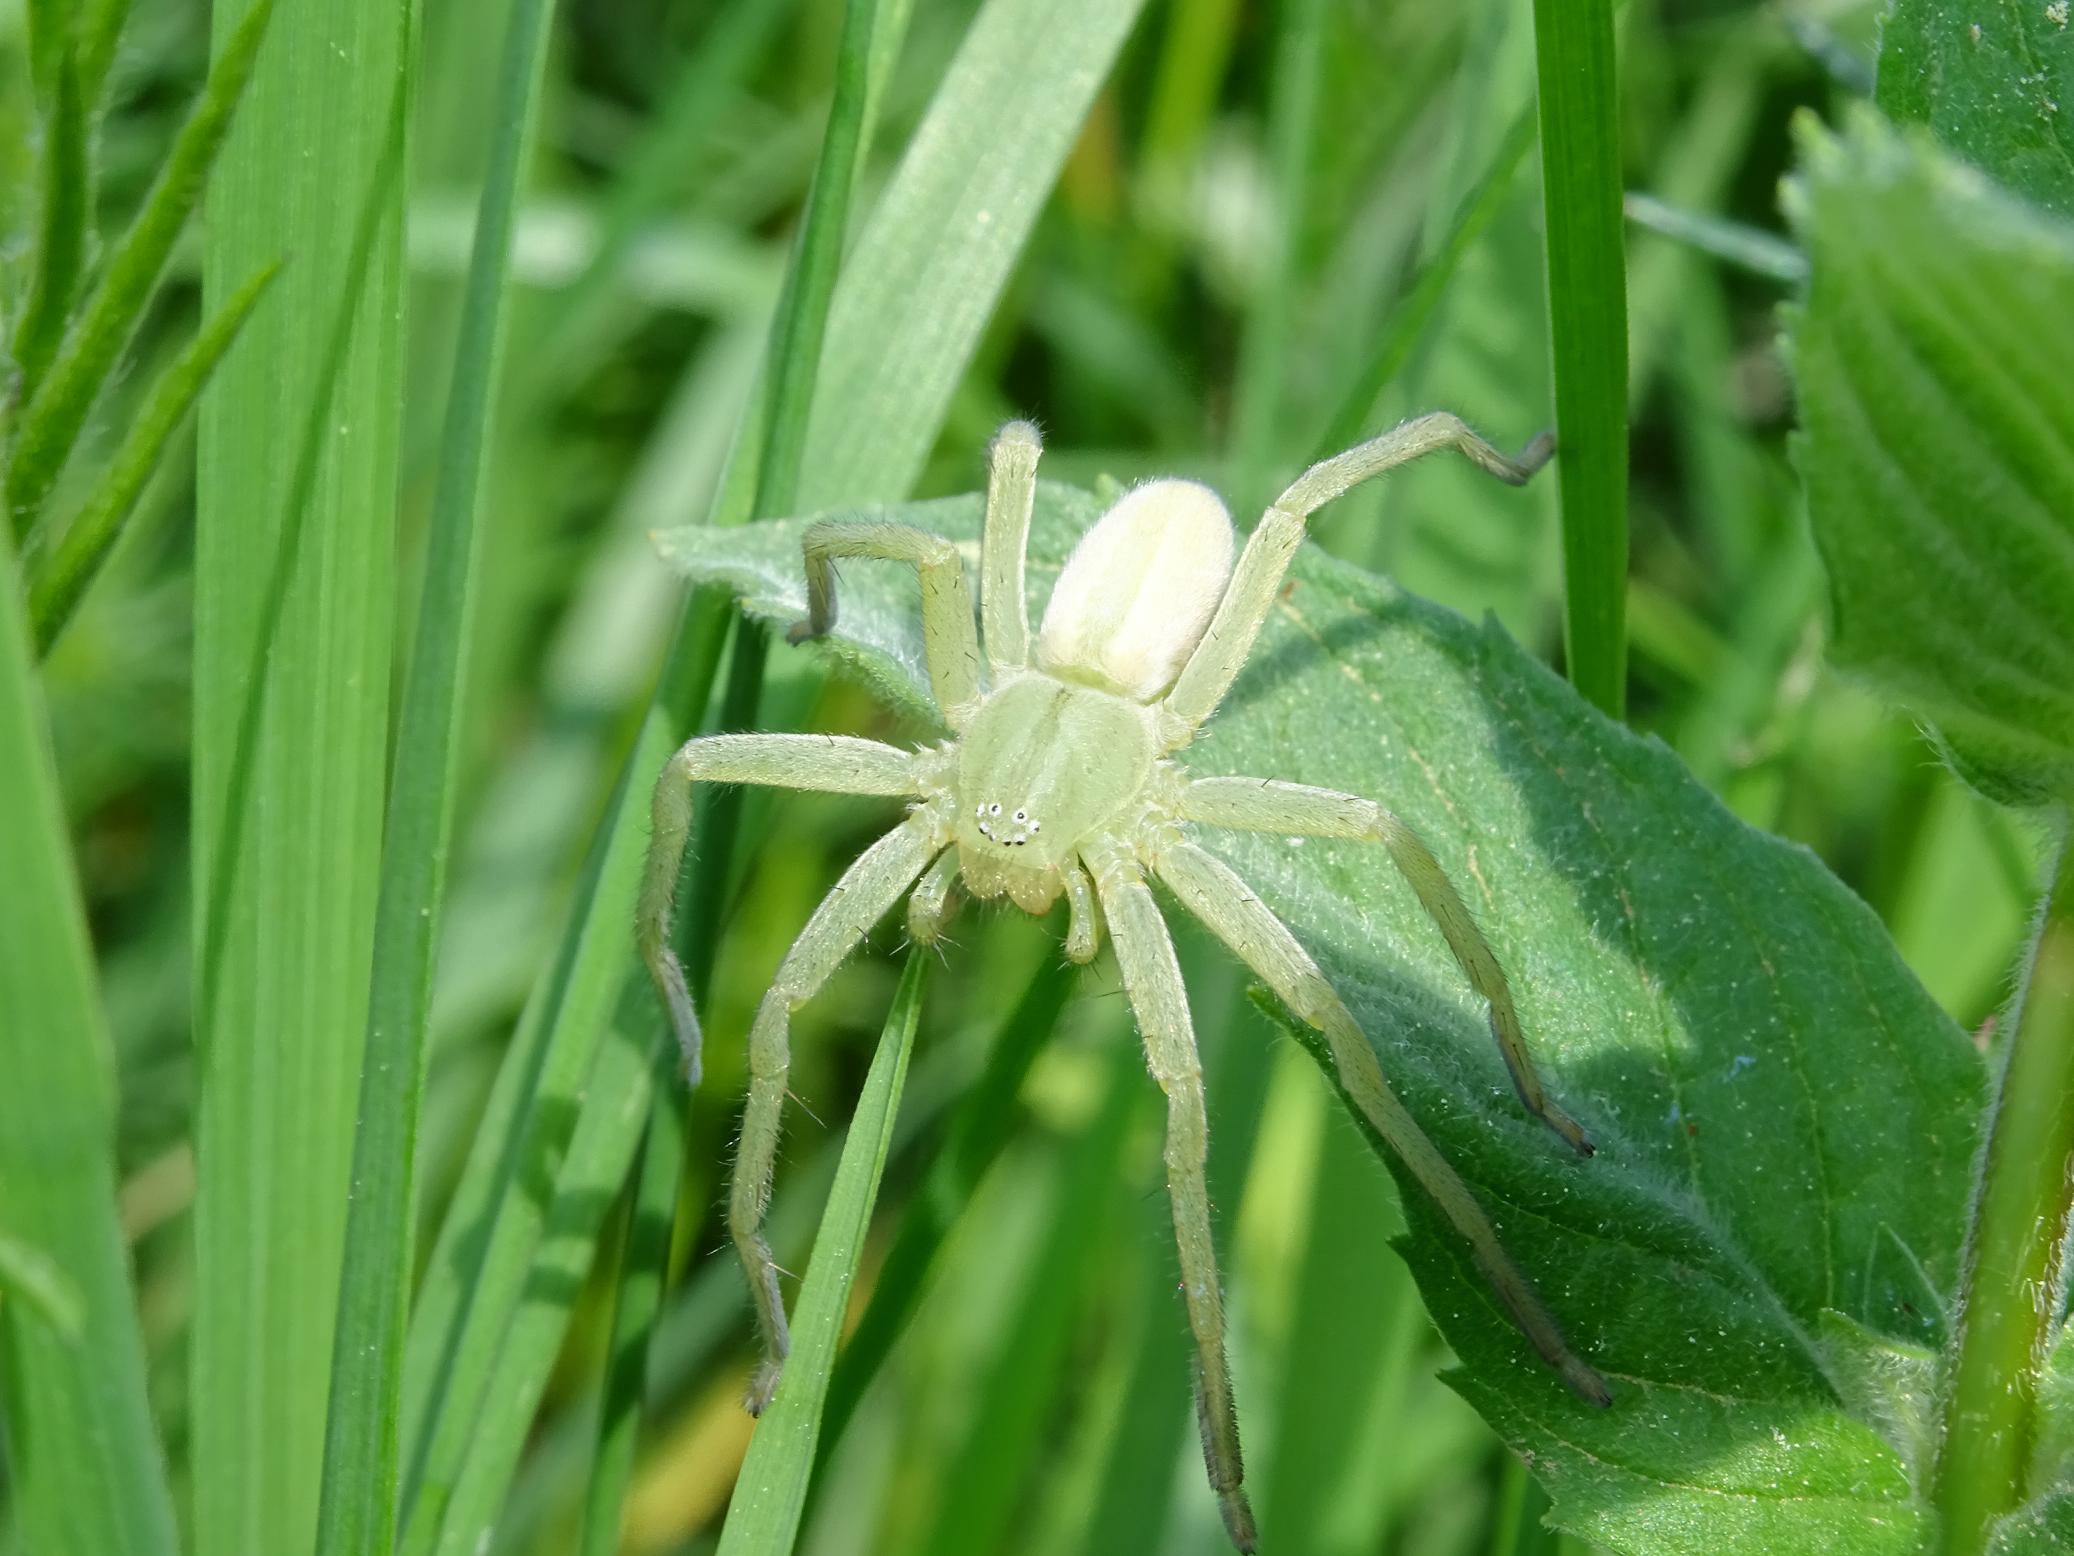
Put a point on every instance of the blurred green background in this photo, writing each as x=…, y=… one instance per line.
x=1200, y=296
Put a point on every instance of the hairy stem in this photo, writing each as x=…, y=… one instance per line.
x=2015, y=1255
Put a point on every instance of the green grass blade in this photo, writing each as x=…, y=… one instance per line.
x=1587, y=300
x=978, y=1131
x=763, y=1519
x=57, y=585
x=643, y=1260
x=293, y=597
x=98, y=37
x=51, y=422
x=31, y=1277
x=358, y=1506
x=84, y=1467
x=934, y=257
x=61, y=242
x=1354, y=419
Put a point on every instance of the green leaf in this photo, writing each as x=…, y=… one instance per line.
x=55, y=587
x=84, y=1467
x=763, y=1518
x=2045, y=1528
x=1937, y=446
x=1994, y=80
x=358, y=1510
x=51, y=421
x=1581, y=184
x=1774, y=1097
x=297, y=472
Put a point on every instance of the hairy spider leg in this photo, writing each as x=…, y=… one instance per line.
x=1152, y=981
x=1217, y=895
x=867, y=890
x=1257, y=579
x=834, y=764
x=950, y=639
x=1011, y=493
x=1083, y=932
x=935, y=899
x=1266, y=805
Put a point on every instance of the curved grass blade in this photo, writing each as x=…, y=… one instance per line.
x=51, y=422
x=61, y=240
x=57, y=586
x=358, y=1505
x=30, y=1276
x=1581, y=188
x=771, y=1494
x=84, y=1467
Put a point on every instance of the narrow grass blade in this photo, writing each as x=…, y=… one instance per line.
x=763, y=1519
x=31, y=1277
x=358, y=1506
x=51, y=422
x=1032, y=1362
x=1587, y=301
x=644, y=1257
x=1353, y=420
x=938, y=249
x=978, y=1131
x=61, y=238
x=1264, y=347
x=84, y=1468
x=56, y=586
x=293, y=588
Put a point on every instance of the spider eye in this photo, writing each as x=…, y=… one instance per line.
x=994, y=810
x=1021, y=816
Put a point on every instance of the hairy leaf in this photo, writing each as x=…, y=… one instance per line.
x=1779, y=1106
x=1994, y=79
x=1938, y=446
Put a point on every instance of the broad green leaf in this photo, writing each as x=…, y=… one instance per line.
x=1775, y=1099
x=1994, y=79
x=1938, y=446
x=84, y=1469
x=763, y=1518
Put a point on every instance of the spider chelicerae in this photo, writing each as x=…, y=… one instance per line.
x=1063, y=776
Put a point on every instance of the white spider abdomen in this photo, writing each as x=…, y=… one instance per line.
x=1139, y=589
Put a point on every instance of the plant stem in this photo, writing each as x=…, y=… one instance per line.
x=1587, y=309
x=2009, y=1302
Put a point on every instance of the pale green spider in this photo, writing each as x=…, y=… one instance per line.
x=1060, y=777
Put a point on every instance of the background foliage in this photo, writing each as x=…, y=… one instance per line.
x=1220, y=238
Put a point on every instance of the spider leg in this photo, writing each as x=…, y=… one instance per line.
x=935, y=900
x=1257, y=579
x=950, y=638
x=1083, y=925
x=836, y=764
x=1263, y=805
x=1217, y=895
x=1152, y=980
x=871, y=885
x=1011, y=493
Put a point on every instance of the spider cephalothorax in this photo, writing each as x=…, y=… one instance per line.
x=1063, y=777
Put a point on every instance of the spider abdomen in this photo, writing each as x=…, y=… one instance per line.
x=1042, y=766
